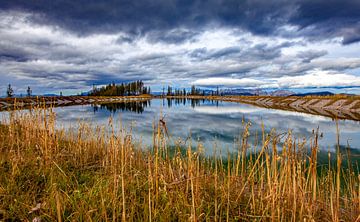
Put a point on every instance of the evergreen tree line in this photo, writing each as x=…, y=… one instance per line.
x=10, y=91
x=128, y=89
x=123, y=89
x=193, y=92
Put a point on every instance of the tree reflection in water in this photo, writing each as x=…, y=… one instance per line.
x=132, y=106
x=139, y=106
x=193, y=102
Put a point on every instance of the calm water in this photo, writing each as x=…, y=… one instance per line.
x=210, y=122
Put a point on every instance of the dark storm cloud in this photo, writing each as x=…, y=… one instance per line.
x=329, y=18
x=47, y=75
x=104, y=78
x=125, y=39
x=13, y=53
x=315, y=18
x=74, y=44
x=225, y=52
x=204, y=54
x=352, y=35
x=172, y=36
x=12, y=57
x=257, y=52
x=309, y=55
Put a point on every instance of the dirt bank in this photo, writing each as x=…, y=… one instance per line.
x=341, y=107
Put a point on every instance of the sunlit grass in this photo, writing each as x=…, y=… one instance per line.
x=89, y=174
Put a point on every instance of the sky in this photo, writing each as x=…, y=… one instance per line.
x=69, y=45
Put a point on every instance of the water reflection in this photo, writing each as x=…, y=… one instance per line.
x=184, y=101
x=140, y=106
x=213, y=123
x=132, y=106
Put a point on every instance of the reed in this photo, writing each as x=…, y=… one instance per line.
x=95, y=174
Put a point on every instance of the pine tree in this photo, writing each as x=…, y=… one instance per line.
x=9, y=91
x=193, y=90
x=169, y=93
x=28, y=92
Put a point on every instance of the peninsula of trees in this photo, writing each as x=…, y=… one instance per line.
x=123, y=89
x=138, y=88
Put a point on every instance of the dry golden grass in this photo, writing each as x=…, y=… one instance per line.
x=87, y=174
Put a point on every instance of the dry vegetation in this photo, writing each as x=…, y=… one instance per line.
x=87, y=174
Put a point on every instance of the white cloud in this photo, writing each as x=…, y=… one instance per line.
x=244, y=82
x=55, y=58
x=318, y=78
x=315, y=78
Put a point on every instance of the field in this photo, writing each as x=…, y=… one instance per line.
x=87, y=174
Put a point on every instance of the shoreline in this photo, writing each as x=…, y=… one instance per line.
x=343, y=107
x=336, y=107
x=28, y=102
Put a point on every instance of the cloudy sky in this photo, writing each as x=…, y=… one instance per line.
x=70, y=45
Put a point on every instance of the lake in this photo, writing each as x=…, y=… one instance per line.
x=213, y=123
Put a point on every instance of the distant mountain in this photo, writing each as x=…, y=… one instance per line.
x=85, y=93
x=226, y=92
x=347, y=94
x=281, y=93
x=156, y=93
x=24, y=95
x=243, y=92
x=325, y=93
x=259, y=92
x=256, y=92
x=50, y=94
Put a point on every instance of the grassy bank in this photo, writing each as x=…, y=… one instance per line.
x=87, y=174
